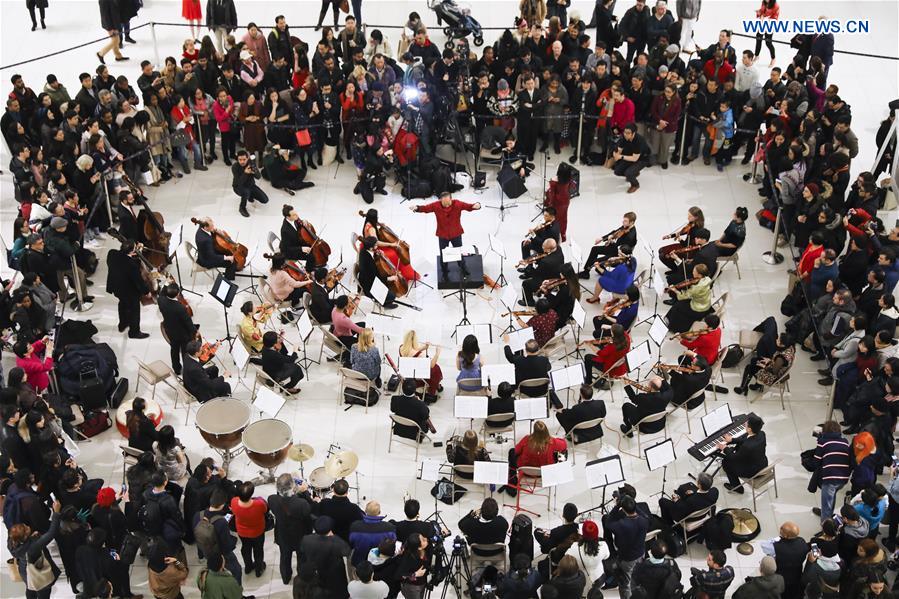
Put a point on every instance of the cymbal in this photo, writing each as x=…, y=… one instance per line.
x=745, y=549
x=301, y=452
x=341, y=464
x=745, y=523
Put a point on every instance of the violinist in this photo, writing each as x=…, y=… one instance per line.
x=706, y=341
x=390, y=250
x=608, y=244
x=207, y=255
x=321, y=304
x=244, y=175
x=291, y=245
x=547, y=265
x=449, y=221
x=341, y=325
x=585, y=409
x=690, y=303
x=652, y=401
x=548, y=229
x=562, y=297
x=249, y=329
x=368, y=271
x=690, y=378
x=616, y=273
x=128, y=227
x=684, y=236
x=543, y=323
x=284, y=287
x=706, y=254
x=278, y=364
x=618, y=311
x=177, y=323
x=125, y=282
x=609, y=359
x=734, y=235
x=203, y=382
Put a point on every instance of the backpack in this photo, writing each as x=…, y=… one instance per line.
x=149, y=516
x=205, y=535
x=12, y=509
x=672, y=588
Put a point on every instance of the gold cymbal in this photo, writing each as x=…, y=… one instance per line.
x=745, y=523
x=301, y=452
x=341, y=464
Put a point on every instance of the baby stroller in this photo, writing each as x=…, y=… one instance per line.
x=457, y=22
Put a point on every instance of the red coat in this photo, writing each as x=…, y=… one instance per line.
x=526, y=457
x=706, y=345
x=807, y=262
x=35, y=368
x=622, y=114
x=179, y=115
x=608, y=355
x=724, y=71
x=669, y=114
x=449, y=220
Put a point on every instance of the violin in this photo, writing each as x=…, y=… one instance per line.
x=684, y=250
x=156, y=238
x=335, y=275
x=595, y=342
x=262, y=312
x=351, y=306
x=611, y=261
x=617, y=305
x=684, y=284
x=534, y=258
x=550, y=284
x=227, y=246
x=635, y=384
x=320, y=249
x=386, y=235
x=530, y=312
x=678, y=368
x=291, y=267
x=691, y=334
x=614, y=235
x=208, y=351
x=680, y=232
x=537, y=229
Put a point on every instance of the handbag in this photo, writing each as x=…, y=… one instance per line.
x=14, y=571
x=269, y=521
x=39, y=575
x=303, y=138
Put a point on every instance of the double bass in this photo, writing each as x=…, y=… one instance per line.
x=386, y=235
x=152, y=224
x=225, y=245
x=319, y=248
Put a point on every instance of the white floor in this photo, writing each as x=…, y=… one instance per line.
x=315, y=418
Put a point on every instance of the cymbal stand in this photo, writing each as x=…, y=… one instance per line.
x=334, y=448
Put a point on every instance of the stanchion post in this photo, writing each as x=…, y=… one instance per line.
x=155, y=45
x=580, y=132
x=683, y=136
x=103, y=185
x=198, y=127
x=774, y=257
x=77, y=284
x=753, y=178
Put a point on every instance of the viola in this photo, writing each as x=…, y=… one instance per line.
x=386, y=235
x=208, y=350
x=335, y=275
x=320, y=249
x=227, y=246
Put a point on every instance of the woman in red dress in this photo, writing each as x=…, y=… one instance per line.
x=191, y=10
x=558, y=196
x=370, y=229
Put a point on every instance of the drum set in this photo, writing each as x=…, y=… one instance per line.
x=339, y=463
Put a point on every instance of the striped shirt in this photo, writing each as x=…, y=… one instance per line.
x=835, y=457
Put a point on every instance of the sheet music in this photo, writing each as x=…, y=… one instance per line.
x=660, y=455
x=530, y=408
x=494, y=374
x=716, y=419
x=556, y=474
x=509, y=298
x=468, y=249
x=658, y=283
x=497, y=246
x=576, y=254
x=579, y=315
x=379, y=291
x=569, y=376
x=604, y=471
x=451, y=254
x=268, y=402
x=658, y=330
x=221, y=292
x=304, y=325
x=519, y=337
x=382, y=325
x=470, y=406
x=240, y=355
x=415, y=368
x=430, y=470
x=491, y=473
x=638, y=356
x=484, y=332
x=176, y=239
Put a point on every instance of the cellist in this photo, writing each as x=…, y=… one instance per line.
x=207, y=255
x=291, y=245
x=284, y=287
x=370, y=229
x=368, y=271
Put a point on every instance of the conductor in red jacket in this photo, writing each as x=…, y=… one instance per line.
x=449, y=220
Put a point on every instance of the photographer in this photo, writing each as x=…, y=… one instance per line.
x=281, y=173
x=244, y=175
x=712, y=583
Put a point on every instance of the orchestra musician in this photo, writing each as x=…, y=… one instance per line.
x=448, y=212
x=706, y=253
x=684, y=236
x=278, y=364
x=321, y=304
x=284, y=287
x=503, y=403
x=558, y=197
x=531, y=366
x=368, y=271
x=125, y=282
x=652, y=400
x=249, y=329
x=609, y=358
x=537, y=449
x=177, y=323
x=585, y=409
x=690, y=303
x=705, y=341
x=615, y=278
x=407, y=405
x=547, y=265
x=691, y=375
x=244, y=175
x=548, y=229
x=744, y=457
x=608, y=244
x=370, y=229
x=411, y=348
x=689, y=498
x=207, y=255
x=203, y=382
x=128, y=225
x=563, y=294
x=342, y=325
x=734, y=234
x=543, y=323
x=617, y=311
x=291, y=246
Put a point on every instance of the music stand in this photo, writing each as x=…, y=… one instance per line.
x=637, y=356
x=179, y=237
x=305, y=328
x=659, y=456
x=603, y=472
x=497, y=247
x=429, y=470
x=224, y=291
x=491, y=474
x=478, y=330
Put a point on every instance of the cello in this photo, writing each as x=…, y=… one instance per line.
x=319, y=248
x=386, y=235
x=225, y=245
x=291, y=267
x=399, y=286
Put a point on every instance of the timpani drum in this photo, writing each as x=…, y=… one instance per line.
x=153, y=412
x=320, y=482
x=221, y=422
x=267, y=442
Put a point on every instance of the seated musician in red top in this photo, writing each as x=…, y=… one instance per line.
x=606, y=359
x=449, y=220
x=705, y=341
x=537, y=449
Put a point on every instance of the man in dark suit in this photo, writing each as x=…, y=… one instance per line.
x=609, y=244
x=586, y=409
x=327, y=550
x=641, y=405
x=744, y=457
x=531, y=366
x=291, y=245
x=685, y=384
x=292, y=521
x=529, y=105
x=176, y=322
x=484, y=527
x=321, y=303
x=548, y=229
x=128, y=227
x=549, y=267
x=550, y=539
x=368, y=272
x=707, y=254
x=207, y=256
x=409, y=406
x=125, y=282
x=278, y=365
x=688, y=498
x=204, y=383
x=340, y=509
x=87, y=96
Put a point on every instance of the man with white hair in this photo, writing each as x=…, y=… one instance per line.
x=293, y=521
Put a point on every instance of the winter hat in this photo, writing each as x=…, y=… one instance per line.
x=105, y=497
x=813, y=187
x=672, y=49
x=502, y=85
x=590, y=531
x=768, y=566
x=58, y=222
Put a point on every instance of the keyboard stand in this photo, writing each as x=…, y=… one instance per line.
x=714, y=458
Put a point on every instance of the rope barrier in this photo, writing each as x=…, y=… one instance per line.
x=63, y=51
x=836, y=51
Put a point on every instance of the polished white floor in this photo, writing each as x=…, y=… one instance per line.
x=315, y=416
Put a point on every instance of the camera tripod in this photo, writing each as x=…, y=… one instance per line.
x=459, y=573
